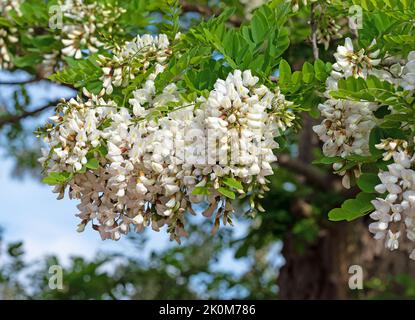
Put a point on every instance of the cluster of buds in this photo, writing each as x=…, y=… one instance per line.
x=83, y=23
x=346, y=124
x=133, y=58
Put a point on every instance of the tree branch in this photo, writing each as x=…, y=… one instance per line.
x=12, y=119
x=312, y=175
x=207, y=11
x=314, y=27
x=15, y=83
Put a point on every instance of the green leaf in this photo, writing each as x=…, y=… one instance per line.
x=227, y=193
x=376, y=134
x=353, y=208
x=308, y=72
x=92, y=164
x=231, y=182
x=27, y=60
x=367, y=182
x=285, y=72
x=198, y=191
x=5, y=23
x=320, y=70
x=102, y=150
x=57, y=178
x=328, y=160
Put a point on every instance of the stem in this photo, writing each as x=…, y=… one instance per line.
x=314, y=27
x=12, y=119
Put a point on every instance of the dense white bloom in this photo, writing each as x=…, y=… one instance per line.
x=134, y=57
x=8, y=5
x=354, y=63
x=346, y=124
x=241, y=122
x=75, y=132
x=76, y=38
x=146, y=169
x=7, y=37
x=82, y=22
x=346, y=127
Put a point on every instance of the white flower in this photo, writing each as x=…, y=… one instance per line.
x=397, y=210
x=408, y=77
x=354, y=63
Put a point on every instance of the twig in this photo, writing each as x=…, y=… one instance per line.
x=206, y=11
x=305, y=144
x=312, y=175
x=314, y=27
x=11, y=119
x=16, y=83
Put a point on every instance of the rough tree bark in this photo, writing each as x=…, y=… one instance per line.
x=321, y=270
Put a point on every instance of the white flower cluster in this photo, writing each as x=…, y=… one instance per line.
x=395, y=214
x=131, y=170
x=8, y=35
x=82, y=24
x=408, y=73
x=75, y=132
x=346, y=124
x=133, y=58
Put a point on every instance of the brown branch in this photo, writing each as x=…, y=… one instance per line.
x=314, y=27
x=207, y=11
x=16, y=83
x=12, y=119
x=312, y=175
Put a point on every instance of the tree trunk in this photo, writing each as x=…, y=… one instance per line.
x=321, y=270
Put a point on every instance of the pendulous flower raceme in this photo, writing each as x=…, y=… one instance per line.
x=157, y=159
x=133, y=58
x=80, y=32
x=346, y=124
x=345, y=131
x=394, y=213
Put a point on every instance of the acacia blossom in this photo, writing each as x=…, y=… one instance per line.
x=81, y=29
x=133, y=58
x=394, y=214
x=346, y=124
x=149, y=171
